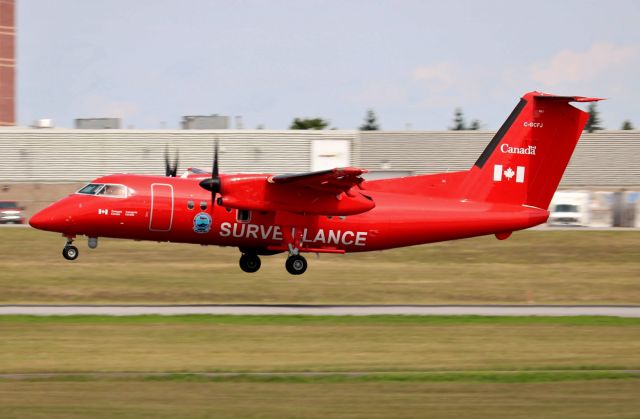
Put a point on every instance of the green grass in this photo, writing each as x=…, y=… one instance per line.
x=372, y=400
x=485, y=377
x=185, y=344
x=408, y=366
x=546, y=267
x=301, y=320
x=316, y=378
x=303, y=367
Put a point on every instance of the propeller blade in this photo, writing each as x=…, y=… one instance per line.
x=214, y=175
x=169, y=169
x=213, y=183
x=174, y=169
x=214, y=171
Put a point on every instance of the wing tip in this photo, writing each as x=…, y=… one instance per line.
x=351, y=170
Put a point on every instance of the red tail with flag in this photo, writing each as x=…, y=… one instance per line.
x=527, y=157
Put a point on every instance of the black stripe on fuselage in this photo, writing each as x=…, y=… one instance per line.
x=501, y=133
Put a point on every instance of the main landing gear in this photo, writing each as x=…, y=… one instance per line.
x=250, y=262
x=296, y=264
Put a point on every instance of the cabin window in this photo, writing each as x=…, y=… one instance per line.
x=243, y=216
x=203, y=205
x=191, y=205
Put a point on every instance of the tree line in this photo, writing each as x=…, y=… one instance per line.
x=370, y=123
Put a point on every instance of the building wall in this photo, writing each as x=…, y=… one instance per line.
x=39, y=166
x=7, y=62
x=56, y=155
x=606, y=159
x=602, y=159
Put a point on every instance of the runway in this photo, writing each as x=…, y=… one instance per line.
x=323, y=310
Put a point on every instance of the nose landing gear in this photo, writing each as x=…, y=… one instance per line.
x=70, y=252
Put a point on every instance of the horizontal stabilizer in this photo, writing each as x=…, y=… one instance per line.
x=547, y=96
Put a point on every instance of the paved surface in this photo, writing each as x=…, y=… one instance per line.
x=323, y=310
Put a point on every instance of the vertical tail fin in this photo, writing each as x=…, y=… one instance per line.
x=525, y=160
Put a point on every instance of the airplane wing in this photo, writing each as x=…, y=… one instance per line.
x=333, y=180
x=326, y=192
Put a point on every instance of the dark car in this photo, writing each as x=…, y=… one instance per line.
x=11, y=213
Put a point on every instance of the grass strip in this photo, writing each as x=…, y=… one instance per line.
x=338, y=320
x=319, y=378
x=544, y=267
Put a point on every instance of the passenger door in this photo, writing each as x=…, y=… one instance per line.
x=161, y=218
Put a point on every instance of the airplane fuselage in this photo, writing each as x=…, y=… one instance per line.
x=178, y=210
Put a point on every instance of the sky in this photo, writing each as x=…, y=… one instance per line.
x=150, y=62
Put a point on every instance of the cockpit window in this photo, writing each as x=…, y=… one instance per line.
x=114, y=191
x=117, y=191
x=90, y=189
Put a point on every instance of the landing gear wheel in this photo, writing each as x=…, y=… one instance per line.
x=70, y=252
x=250, y=263
x=296, y=264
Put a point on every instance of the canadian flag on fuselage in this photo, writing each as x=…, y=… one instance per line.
x=524, y=162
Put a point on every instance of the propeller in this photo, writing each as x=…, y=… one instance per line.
x=213, y=183
x=170, y=170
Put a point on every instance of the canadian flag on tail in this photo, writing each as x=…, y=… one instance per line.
x=499, y=172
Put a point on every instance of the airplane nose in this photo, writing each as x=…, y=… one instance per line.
x=42, y=221
x=51, y=219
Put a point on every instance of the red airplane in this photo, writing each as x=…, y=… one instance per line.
x=335, y=211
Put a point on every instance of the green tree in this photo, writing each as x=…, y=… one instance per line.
x=370, y=122
x=593, y=123
x=475, y=125
x=458, y=121
x=309, y=123
x=627, y=125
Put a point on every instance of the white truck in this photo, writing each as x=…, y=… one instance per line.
x=569, y=209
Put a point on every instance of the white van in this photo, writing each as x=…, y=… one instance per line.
x=569, y=209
